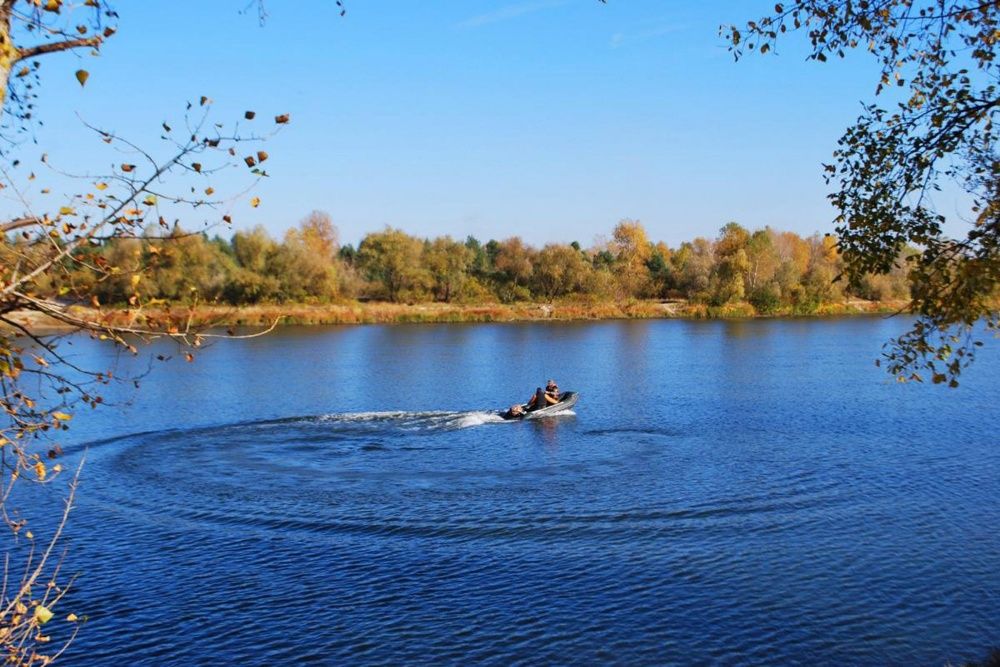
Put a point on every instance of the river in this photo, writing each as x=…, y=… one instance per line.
x=724, y=493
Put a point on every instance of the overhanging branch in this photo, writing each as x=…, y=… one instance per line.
x=53, y=47
x=18, y=223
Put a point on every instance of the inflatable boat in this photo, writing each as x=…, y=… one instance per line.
x=566, y=401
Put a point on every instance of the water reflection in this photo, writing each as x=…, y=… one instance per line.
x=548, y=429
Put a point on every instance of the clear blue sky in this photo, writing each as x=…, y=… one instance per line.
x=548, y=119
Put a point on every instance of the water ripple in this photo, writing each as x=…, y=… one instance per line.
x=430, y=537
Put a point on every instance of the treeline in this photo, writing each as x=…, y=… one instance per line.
x=769, y=269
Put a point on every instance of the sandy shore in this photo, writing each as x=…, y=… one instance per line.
x=398, y=313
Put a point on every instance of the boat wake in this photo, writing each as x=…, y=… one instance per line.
x=413, y=421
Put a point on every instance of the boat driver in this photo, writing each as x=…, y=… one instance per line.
x=551, y=396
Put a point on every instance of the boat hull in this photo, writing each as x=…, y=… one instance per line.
x=566, y=401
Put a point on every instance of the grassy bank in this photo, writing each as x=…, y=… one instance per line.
x=398, y=313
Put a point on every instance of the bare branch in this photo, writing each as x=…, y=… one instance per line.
x=19, y=223
x=54, y=47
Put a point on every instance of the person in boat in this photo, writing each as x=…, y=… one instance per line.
x=542, y=399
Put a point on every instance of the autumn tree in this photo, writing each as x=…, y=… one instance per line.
x=825, y=265
x=793, y=263
x=693, y=264
x=30, y=29
x=559, y=270
x=53, y=258
x=936, y=127
x=305, y=264
x=631, y=249
x=317, y=235
x=513, y=263
x=732, y=264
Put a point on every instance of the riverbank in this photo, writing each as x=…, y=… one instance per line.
x=400, y=313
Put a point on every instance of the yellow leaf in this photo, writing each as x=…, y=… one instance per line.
x=150, y=200
x=82, y=75
x=72, y=618
x=101, y=186
x=42, y=614
x=40, y=470
x=62, y=416
x=67, y=210
x=255, y=202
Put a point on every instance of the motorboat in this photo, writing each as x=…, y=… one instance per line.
x=567, y=400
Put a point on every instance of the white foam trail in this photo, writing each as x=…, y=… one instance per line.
x=381, y=416
x=415, y=420
x=470, y=419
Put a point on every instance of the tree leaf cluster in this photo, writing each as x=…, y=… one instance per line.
x=932, y=127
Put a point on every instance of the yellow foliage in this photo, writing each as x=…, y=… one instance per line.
x=42, y=615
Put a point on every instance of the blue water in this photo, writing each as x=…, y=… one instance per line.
x=724, y=493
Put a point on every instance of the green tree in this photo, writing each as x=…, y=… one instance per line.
x=252, y=281
x=391, y=258
x=762, y=258
x=447, y=261
x=661, y=274
x=481, y=265
x=183, y=267
x=941, y=57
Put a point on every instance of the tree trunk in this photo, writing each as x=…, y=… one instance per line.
x=8, y=53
